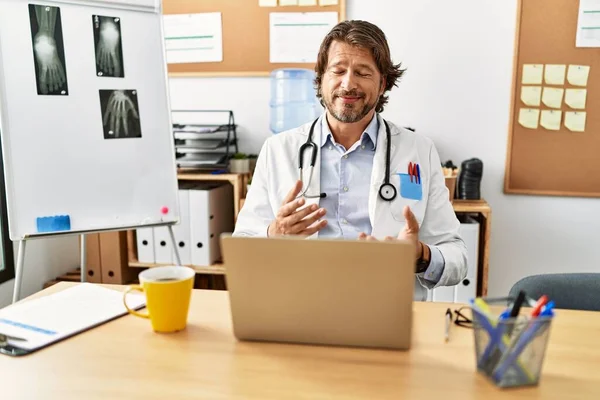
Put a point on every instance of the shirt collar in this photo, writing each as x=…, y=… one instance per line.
x=370, y=132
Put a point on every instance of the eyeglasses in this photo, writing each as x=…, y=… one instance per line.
x=461, y=319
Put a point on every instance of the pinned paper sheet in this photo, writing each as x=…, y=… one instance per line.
x=191, y=38
x=555, y=74
x=552, y=97
x=295, y=37
x=575, y=121
x=307, y=2
x=551, y=119
x=267, y=3
x=288, y=2
x=588, y=22
x=528, y=117
x=328, y=2
x=530, y=95
x=532, y=74
x=578, y=75
x=575, y=98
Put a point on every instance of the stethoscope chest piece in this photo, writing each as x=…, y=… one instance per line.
x=387, y=191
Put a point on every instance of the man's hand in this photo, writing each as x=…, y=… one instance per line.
x=409, y=233
x=291, y=221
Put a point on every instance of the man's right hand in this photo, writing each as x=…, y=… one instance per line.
x=291, y=221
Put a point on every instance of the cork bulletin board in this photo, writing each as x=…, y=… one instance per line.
x=554, y=127
x=245, y=27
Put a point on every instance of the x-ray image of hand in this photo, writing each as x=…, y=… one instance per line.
x=46, y=31
x=109, y=53
x=50, y=69
x=121, y=116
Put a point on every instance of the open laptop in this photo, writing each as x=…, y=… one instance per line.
x=324, y=291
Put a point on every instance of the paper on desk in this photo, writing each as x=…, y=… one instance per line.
x=550, y=119
x=552, y=97
x=193, y=38
x=588, y=24
x=578, y=74
x=554, y=74
x=50, y=318
x=532, y=74
x=575, y=121
x=296, y=37
x=528, y=117
x=530, y=95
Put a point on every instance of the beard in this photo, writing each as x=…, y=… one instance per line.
x=349, y=113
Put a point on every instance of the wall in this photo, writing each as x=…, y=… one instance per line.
x=456, y=90
x=45, y=259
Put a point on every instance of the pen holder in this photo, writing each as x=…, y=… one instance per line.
x=510, y=352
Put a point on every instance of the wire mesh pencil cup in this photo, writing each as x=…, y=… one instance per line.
x=510, y=352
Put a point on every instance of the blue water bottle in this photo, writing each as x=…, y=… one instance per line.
x=293, y=98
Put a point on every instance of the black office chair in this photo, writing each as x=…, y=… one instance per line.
x=574, y=291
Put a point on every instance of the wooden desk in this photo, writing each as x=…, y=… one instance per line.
x=124, y=359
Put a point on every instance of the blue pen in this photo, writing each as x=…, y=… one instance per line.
x=505, y=314
x=418, y=173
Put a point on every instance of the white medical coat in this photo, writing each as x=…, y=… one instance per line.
x=277, y=171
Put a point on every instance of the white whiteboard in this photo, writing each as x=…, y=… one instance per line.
x=56, y=158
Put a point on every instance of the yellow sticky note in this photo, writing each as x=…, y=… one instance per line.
x=554, y=74
x=530, y=95
x=575, y=98
x=307, y=2
x=551, y=119
x=578, y=75
x=528, y=117
x=575, y=121
x=532, y=74
x=552, y=97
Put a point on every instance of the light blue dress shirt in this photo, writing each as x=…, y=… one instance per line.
x=346, y=178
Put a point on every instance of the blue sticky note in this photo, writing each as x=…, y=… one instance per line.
x=410, y=190
x=54, y=223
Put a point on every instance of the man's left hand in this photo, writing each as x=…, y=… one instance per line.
x=409, y=233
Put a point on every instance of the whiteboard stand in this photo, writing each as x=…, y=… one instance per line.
x=19, y=271
x=177, y=258
x=21, y=263
x=83, y=256
x=21, y=258
x=139, y=184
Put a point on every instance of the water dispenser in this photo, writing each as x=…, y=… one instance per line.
x=293, y=98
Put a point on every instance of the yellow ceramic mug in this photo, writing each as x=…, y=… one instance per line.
x=168, y=292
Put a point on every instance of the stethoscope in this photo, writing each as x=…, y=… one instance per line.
x=387, y=191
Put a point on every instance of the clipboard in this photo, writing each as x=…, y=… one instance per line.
x=35, y=324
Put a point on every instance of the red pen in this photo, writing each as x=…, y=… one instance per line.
x=538, y=306
x=410, y=171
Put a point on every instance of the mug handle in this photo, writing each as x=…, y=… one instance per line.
x=134, y=288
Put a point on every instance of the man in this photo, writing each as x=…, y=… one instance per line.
x=357, y=190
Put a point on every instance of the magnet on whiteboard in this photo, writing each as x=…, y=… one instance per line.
x=54, y=223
